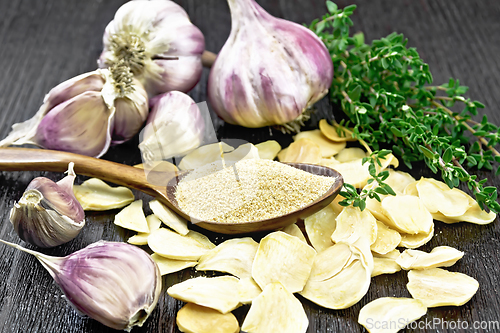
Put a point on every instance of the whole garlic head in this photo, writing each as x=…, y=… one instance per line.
x=158, y=42
x=269, y=71
x=48, y=213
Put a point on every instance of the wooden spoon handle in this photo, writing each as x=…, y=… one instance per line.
x=26, y=159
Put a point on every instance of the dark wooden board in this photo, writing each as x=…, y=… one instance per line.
x=43, y=43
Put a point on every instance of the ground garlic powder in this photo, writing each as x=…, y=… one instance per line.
x=249, y=190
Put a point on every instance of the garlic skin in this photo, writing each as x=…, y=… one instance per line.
x=269, y=71
x=174, y=128
x=48, y=213
x=158, y=42
x=114, y=283
x=86, y=114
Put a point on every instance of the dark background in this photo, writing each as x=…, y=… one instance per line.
x=43, y=43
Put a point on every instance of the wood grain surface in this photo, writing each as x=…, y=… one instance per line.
x=43, y=43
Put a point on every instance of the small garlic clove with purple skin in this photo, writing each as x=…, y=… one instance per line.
x=269, y=71
x=158, y=42
x=48, y=214
x=115, y=283
x=174, y=128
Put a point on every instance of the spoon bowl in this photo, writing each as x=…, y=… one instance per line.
x=26, y=159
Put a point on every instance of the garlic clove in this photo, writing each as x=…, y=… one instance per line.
x=48, y=213
x=114, y=283
x=269, y=71
x=174, y=128
x=81, y=125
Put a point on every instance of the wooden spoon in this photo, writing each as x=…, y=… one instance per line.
x=25, y=159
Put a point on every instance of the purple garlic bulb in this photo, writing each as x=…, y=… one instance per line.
x=269, y=71
x=48, y=213
x=158, y=42
x=115, y=283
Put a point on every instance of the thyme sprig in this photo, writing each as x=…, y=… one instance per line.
x=385, y=90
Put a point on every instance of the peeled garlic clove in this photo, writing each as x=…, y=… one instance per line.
x=193, y=318
x=174, y=128
x=438, y=287
x=158, y=42
x=395, y=312
x=48, y=213
x=79, y=115
x=275, y=310
x=218, y=293
x=118, y=284
x=283, y=258
x=94, y=194
x=290, y=69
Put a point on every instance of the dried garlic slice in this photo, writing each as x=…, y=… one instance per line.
x=414, y=241
x=168, y=266
x=387, y=239
x=94, y=194
x=170, y=244
x=302, y=151
x=268, y=149
x=331, y=132
x=275, y=310
x=320, y=226
x=411, y=189
x=204, y=155
x=234, y=256
x=399, y=180
x=216, y=293
x=473, y=215
x=141, y=238
x=248, y=289
x=441, y=256
x=327, y=147
x=294, y=230
x=353, y=172
x=354, y=221
x=385, y=263
x=282, y=154
x=331, y=261
x=283, y=258
x=438, y=287
x=438, y=197
x=390, y=313
x=162, y=166
x=342, y=290
x=168, y=217
x=350, y=154
x=132, y=217
x=193, y=318
x=407, y=213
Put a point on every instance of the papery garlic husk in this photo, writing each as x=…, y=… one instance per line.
x=86, y=114
x=174, y=128
x=269, y=71
x=114, y=283
x=158, y=42
x=48, y=213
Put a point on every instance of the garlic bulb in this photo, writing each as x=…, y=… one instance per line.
x=86, y=114
x=174, y=128
x=114, y=283
x=158, y=42
x=269, y=71
x=48, y=213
